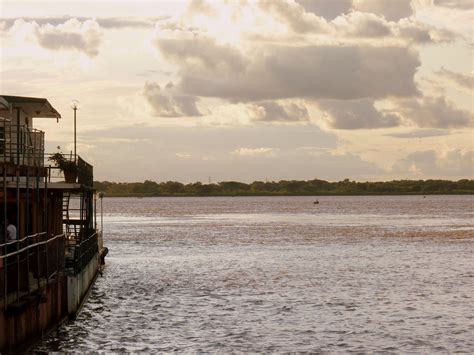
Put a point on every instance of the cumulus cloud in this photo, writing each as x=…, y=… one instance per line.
x=166, y=103
x=416, y=32
x=455, y=4
x=271, y=111
x=200, y=7
x=104, y=22
x=263, y=72
x=392, y=10
x=361, y=25
x=295, y=16
x=434, y=112
x=463, y=81
x=306, y=25
x=279, y=72
x=358, y=24
x=356, y=114
x=327, y=9
x=197, y=52
x=73, y=34
x=453, y=163
x=251, y=152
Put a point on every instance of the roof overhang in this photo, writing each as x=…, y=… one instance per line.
x=3, y=104
x=31, y=106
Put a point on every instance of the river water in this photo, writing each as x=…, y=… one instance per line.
x=263, y=274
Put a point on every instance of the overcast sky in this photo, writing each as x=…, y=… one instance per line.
x=251, y=90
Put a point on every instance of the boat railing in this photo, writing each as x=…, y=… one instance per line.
x=82, y=253
x=84, y=173
x=20, y=144
x=29, y=263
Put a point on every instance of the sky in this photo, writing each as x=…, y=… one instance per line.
x=243, y=90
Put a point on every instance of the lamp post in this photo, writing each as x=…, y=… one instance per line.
x=74, y=105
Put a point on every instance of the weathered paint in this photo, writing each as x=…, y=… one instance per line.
x=61, y=299
x=38, y=313
x=79, y=285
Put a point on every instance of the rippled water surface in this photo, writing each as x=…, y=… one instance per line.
x=281, y=274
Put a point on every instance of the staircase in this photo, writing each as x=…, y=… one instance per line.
x=66, y=198
x=71, y=228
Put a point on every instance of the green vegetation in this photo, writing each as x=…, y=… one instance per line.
x=285, y=188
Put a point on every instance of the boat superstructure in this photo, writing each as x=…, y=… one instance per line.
x=50, y=243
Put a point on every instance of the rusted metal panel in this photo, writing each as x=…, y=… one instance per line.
x=25, y=321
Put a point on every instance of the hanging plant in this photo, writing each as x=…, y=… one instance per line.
x=68, y=167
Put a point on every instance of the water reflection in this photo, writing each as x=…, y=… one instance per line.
x=280, y=274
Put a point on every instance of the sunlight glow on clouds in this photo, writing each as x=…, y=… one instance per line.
x=72, y=34
x=249, y=152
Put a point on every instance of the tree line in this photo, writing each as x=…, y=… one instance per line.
x=285, y=188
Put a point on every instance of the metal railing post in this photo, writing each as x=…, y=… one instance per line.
x=28, y=228
x=5, y=263
x=46, y=199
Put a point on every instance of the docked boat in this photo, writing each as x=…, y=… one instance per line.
x=51, y=248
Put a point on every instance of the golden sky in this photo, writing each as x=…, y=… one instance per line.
x=251, y=90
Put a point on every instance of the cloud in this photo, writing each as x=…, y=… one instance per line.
x=183, y=155
x=279, y=72
x=290, y=21
x=419, y=163
x=453, y=163
x=197, y=52
x=327, y=9
x=54, y=21
x=103, y=22
x=175, y=27
x=271, y=111
x=251, y=152
x=424, y=133
x=434, y=112
x=294, y=15
x=166, y=103
x=73, y=34
x=458, y=161
x=456, y=16
x=407, y=31
x=392, y=10
x=212, y=148
x=307, y=15
x=463, y=81
x=129, y=22
x=358, y=24
x=200, y=7
x=455, y=4
x=415, y=32
x=357, y=114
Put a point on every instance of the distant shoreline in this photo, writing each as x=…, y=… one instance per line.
x=314, y=187
x=320, y=195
